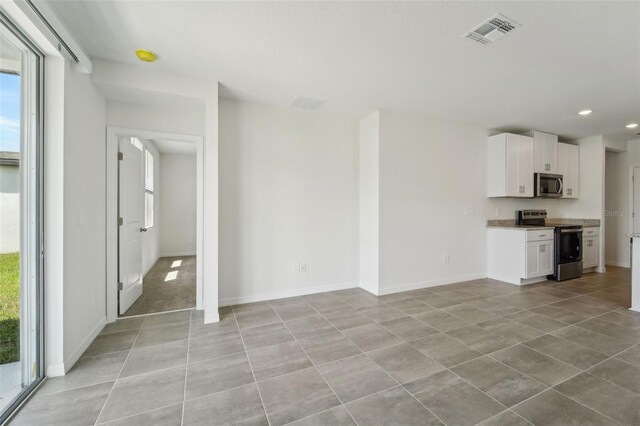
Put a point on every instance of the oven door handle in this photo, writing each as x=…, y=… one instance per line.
x=559, y=186
x=570, y=231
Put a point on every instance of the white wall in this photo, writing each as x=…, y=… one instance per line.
x=84, y=212
x=288, y=194
x=151, y=238
x=188, y=118
x=617, y=210
x=369, y=201
x=177, y=205
x=618, y=201
x=432, y=201
x=9, y=208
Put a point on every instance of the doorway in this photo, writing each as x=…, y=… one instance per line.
x=154, y=187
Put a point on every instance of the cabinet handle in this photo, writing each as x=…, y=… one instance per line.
x=543, y=249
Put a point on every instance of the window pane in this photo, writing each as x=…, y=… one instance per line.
x=148, y=209
x=148, y=171
x=20, y=339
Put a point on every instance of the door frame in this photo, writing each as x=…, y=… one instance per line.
x=113, y=133
x=631, y=198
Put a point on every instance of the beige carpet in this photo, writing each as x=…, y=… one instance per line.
x=169, y=285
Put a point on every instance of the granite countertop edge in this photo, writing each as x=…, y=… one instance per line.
x=549, y=224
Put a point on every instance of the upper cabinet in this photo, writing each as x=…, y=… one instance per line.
x=510, y=165
x=545, y=158
x=569, y=168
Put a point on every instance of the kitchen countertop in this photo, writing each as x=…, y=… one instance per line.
x=549, y=223
x=523, y=227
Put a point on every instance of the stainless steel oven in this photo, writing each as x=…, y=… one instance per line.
x=547, y=185
x=567, y=252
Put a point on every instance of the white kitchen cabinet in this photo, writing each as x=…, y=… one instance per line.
x=590, y=248
x=569, y=168
x=545, y=152
x=519, y=255
x=539, y=259
x=510, y=166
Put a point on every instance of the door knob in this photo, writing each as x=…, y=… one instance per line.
x=143, y=229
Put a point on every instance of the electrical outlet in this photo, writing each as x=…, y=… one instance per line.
x=469, y=211
x=303, y=267
x=445, y=259
x=296, y=268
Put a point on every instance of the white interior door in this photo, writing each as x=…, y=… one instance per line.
x=131, y=211
x=636, y=199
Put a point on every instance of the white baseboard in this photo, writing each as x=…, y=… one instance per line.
x=211, y=318
x=78, y=351
x=426, y=284
x=178, y=254
x=55, y=370
x=622, y=264
x=287, y=293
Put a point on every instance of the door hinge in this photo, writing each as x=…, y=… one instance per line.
x=120, y=221
x=120, y=286
x=120, y=156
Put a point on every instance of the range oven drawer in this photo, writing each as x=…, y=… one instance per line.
x=540, y=235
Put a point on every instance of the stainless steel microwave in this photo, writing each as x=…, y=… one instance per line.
x=547, y=185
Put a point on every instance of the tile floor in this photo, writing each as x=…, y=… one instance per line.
x=480, y=352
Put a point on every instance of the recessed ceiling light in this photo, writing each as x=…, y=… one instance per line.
x=631, y=125
x=585, y=112
x=146, y=55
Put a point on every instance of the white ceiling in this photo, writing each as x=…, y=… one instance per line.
x=404, y=56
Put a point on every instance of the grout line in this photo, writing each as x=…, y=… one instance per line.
x=509, y=410
x=392, y=378
x=233, y=312
x=137, y=414
x=120, y=372
x=186, y=373
x=313, y=363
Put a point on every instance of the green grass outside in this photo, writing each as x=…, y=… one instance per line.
x=9, y=308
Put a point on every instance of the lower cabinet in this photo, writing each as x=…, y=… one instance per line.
x=590, y=252
x=539, y=258
x=519, y=255
x=590, y=247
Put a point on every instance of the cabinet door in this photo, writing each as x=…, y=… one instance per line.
x=569, y=168
x=545, y=152
x=539, y=258
x=590, y=251
x=533, y=260
x=525, y=166
x=512, y=184
x=545, y=253
x=550, y=157
x=573, y=171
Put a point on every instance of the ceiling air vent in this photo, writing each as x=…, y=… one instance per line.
x=307, y=103
x=492, y=29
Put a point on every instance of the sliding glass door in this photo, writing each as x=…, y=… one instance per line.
x=20, y=217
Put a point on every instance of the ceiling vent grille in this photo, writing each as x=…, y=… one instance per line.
x=492, y=29
x=307, y=103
